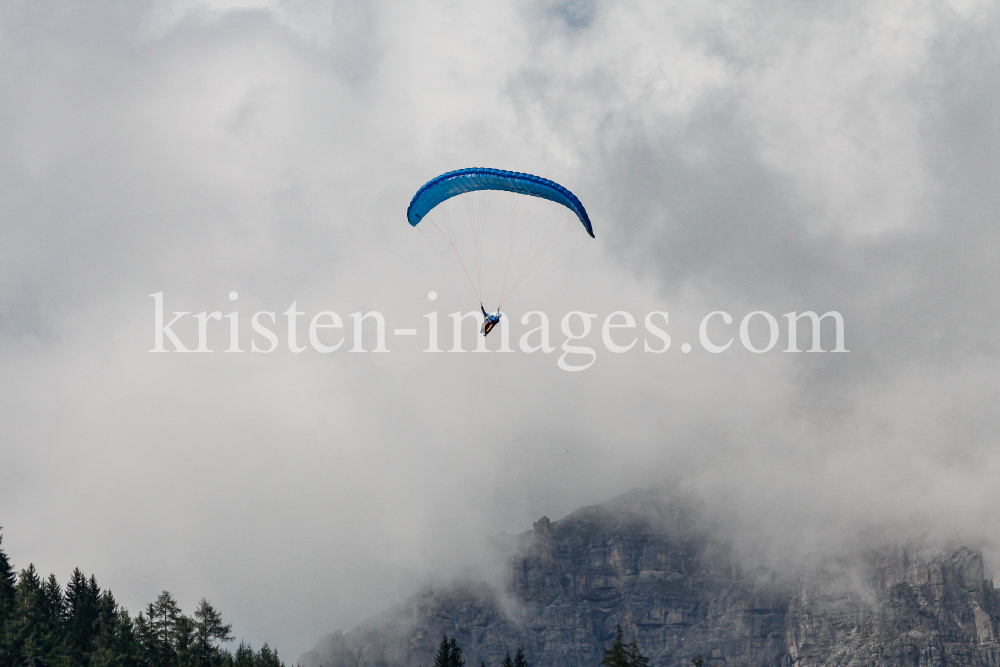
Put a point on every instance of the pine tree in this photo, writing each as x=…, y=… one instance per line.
x=519, y=660
x=8, y=599
x=244, y=657
x=41, y=625
x=53, y=603
x=163, y=615
x=146, y=638
x=35, y=633
x=267, y=657
x=184, y=641
x=635, y=658
x=507, y=662
x=616, y=656
x=7, y=586
x=158, y=631
x=624, y=655
x=208, y=629
x=449, y=653
x=26, y=621
x=456, y=654
x=443, y=657
x=115, y=642
x=81, y=605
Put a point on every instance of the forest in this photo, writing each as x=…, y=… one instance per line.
x=43, y=624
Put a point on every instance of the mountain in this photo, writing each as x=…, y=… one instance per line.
x=645, y=563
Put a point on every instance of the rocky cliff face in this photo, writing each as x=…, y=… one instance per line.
x=640, y=563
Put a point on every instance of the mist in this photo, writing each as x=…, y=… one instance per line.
x=733, y=156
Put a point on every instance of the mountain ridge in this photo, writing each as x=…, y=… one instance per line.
x=653, y=566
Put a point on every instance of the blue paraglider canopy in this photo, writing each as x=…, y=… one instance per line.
x=454, y=183
x=499, y=252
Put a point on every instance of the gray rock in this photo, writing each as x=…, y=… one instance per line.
x=641, y=563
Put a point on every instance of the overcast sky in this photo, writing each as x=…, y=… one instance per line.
x=735, y=156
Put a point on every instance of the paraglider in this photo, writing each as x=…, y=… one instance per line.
x=537, y=231
x=489, y=321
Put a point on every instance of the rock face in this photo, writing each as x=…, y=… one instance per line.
x=641, y=563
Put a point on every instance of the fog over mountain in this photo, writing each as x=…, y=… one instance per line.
x=733, y=156
x=651, y=567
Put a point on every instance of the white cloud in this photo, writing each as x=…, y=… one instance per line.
x=732, y=156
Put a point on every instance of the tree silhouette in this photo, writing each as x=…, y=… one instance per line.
x=624, y=655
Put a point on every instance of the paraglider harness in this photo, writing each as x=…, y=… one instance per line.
x=489, y=321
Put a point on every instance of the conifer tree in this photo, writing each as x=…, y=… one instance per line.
x=456, y=654
x=244, y=657
x=507, y=662
x=7, y=583
x=184, y=641
x=616, y=656
x=34, y=633
x=449, y=653
x=8, y=597
x=42, y=625
x=115, y=642
x=519, y=660
x=52, y=602
x=267, y=657
x=208, y=629
x=635, y=657
x=81, y=609
x=443, y=657
x=159, y=631
x=163, y=616
x=624, y=655
x=145, y=637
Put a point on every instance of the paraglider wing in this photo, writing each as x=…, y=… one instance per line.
x=454, y=183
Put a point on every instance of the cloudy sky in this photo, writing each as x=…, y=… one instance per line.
x=733, y=155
